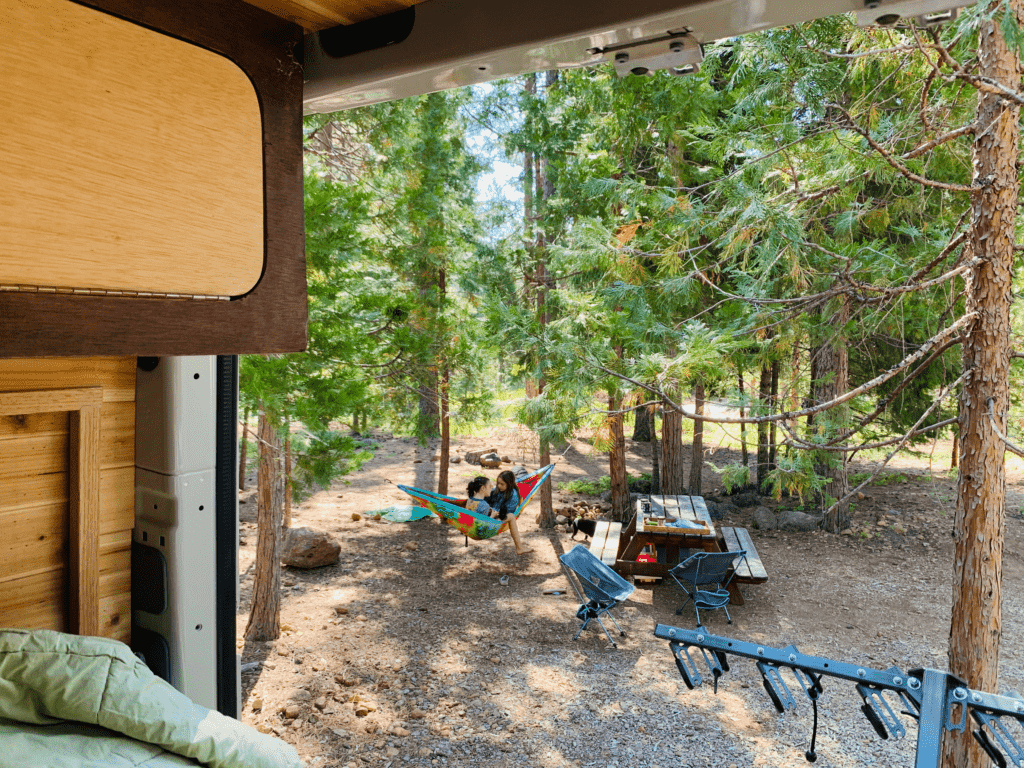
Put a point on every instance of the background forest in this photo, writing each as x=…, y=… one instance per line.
x=771, y=233
x=816, y=233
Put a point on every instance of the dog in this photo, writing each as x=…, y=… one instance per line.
x=580, y=524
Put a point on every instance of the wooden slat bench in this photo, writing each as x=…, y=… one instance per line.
x=605, y=542
x=751, y=570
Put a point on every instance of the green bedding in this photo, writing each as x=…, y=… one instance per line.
x=51, y=684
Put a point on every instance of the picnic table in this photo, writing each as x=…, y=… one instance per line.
x=672, y=526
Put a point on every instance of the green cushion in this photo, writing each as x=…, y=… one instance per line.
x=47, y=677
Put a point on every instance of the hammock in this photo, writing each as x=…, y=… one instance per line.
x=478, y=527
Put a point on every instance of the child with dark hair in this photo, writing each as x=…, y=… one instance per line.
x=476, y=492
x=504, y=499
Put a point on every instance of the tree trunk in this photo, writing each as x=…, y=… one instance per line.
x=287, y=483
x=446, y=442
x=953, y=459
x=671, y=452
x=617, y=463
x=979, y=526
x=265, y=613
x=832, y=366
x=773, y=408
x=642, y=425
x=243, y=451
x=743, y=427
x=764, y=393
x=697, y=454
x=655, y=452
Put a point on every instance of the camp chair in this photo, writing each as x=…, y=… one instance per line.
x=598, y=587
x=707, y=569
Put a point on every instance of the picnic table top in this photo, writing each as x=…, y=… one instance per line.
x=690, y=508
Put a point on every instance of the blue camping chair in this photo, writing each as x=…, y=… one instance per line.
x=707, y=569
x=598, y=587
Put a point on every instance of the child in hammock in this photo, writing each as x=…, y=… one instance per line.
x=477, y=491
x=505, y=497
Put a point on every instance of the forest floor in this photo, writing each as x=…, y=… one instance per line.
x=410, y=652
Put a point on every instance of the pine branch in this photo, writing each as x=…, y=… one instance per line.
x=900, y=167
x=925, y=348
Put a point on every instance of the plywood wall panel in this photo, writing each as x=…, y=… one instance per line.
x=34, y=538
x=117, y=499
x=35, y=502
x=33, y=456
x=116, y=375
x=118, y=447
x=37, y=601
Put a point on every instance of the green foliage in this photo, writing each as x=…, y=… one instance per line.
x=587, y=487
x=320, y=457
x=795, y=476
x=733, y=476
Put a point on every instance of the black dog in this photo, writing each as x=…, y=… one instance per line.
x=582, y=525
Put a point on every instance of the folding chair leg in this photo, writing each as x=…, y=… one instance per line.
x=621, y=633
x=727, y=616
x=607, y=634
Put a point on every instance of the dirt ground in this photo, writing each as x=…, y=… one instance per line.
x=409, y=651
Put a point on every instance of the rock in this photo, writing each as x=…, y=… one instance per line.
x=473, y=457
x=455, y=460
x=765, y=519
x=846, y=532
x=341, y=610
x=714, y=509
x=490, y=461
x=257, y=704
x=506, y=459
x=794, y=520
x=291, y=711
x=361, y=617
x=397, y=730
x=320, y=703
x=300, y=694
x=412, y=546
x=727, y=509
x=356, y=517
x=746, y=499
x=561, y=520
x=417, y=714
x=860, y=496
x=309, y=548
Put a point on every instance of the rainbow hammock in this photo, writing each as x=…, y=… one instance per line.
x=478, y=527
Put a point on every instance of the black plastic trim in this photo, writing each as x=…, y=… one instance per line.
x=226, y=531
x=349, y=39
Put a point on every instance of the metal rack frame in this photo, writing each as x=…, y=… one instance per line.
x=938, y=700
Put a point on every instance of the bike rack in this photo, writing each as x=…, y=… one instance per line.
x=938, y=700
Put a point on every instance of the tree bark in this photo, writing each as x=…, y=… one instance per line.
x=979, y=525
x=671, y=452
x=287, y=483
x=764, y=393
x=773, y=403
x=265, y=613
x=833, y=368
x=697, y=454
x=617, y=462
x=243, y=451
x=446, y=443
x=655, y=452
x=743, y=427
x=642, y=425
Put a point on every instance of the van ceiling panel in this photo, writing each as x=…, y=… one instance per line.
x=454, y=43
x=316, y=15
